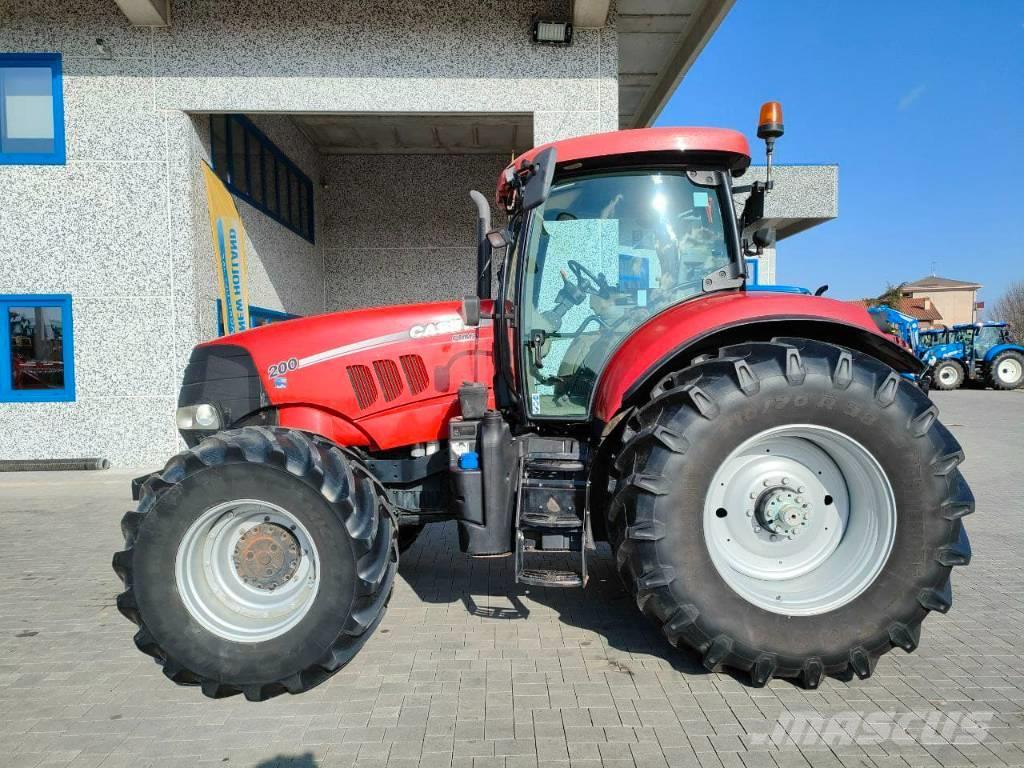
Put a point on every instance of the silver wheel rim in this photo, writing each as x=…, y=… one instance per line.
x=1009, y=371
x=800, y=520
x=215, y=577
x=948, y=375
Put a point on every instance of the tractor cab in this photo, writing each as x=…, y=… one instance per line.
x=978, y=339
x=630, y=224
x=931, y=337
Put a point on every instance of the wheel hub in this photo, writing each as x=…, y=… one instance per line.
x=783, y=511
x=266, y=556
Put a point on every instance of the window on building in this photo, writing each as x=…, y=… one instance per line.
x=36, y=355
x=257, y=316
x=31, y=109
x=256, y=170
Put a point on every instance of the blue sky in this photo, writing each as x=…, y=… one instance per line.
x=921, y=104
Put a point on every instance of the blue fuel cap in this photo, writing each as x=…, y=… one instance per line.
x=469, y=460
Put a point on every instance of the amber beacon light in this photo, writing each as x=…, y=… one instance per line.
x=769, y=124
x=769, y=128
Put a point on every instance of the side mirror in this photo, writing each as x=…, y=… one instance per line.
x=538, y=185
x=764, y=237
x=470, y=311
x=498, y=239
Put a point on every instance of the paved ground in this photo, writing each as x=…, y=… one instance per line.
x=468, y=670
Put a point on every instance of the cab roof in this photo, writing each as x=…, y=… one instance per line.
x=660, y=144
x=979, y=324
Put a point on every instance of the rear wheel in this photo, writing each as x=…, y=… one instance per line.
x=258, y=562
x=1007, y=370
x=948, y=375
x=791, y=509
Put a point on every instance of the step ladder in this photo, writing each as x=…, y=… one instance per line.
x=552, y=512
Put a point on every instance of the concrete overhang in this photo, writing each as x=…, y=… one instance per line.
x=803, y=196
x=417, y=134
x=658, y=42
x=590, y=14
x=146, y=13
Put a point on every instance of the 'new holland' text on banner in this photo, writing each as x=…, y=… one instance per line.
x=229, y=254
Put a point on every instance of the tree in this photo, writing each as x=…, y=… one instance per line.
x=1010, y=307
x=890, y=296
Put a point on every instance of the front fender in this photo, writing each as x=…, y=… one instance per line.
x=699, y=326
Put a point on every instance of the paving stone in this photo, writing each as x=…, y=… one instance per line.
x=469, y=670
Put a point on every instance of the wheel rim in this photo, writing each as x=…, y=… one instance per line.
x=799, y=520
x=1010, y=370
x=948, y=375
x=247, y=570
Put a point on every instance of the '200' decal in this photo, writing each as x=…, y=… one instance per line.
x=280, y=369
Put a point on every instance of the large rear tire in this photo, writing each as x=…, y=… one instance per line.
x=791, y=509
x=258, y=562
x=1006, y=371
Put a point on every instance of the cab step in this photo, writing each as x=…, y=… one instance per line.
x=546, y=577
x=552, y=511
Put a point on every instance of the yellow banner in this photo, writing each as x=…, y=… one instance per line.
x=229, y=254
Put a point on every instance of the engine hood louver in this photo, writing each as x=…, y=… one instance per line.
x=386, y=379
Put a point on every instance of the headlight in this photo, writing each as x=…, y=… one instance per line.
x=202, y=416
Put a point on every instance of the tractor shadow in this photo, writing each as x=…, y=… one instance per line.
x=305, y=760
x=438, y=573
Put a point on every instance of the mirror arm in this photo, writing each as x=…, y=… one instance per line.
x=483, y=245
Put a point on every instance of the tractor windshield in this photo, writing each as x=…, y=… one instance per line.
x=990, y=336
x=602, y=255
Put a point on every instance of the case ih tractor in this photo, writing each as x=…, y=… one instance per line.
x=778, y=495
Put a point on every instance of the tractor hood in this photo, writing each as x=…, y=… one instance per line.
x=364, y=377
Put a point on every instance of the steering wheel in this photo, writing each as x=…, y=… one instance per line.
x=586, y=280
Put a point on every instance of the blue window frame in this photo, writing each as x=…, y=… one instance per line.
x=37, y=359
x=753, y=272
x=256, y=170
x=257, y=316
x=31, y=109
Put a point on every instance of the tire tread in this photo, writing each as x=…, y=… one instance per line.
x=352, y=494
x=634, y=530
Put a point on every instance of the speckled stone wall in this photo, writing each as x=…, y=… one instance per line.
x=401, y=228
x=97, y=228
x=286, y=271
x=123, y=225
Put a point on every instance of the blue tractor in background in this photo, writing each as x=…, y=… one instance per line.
x=984, y=352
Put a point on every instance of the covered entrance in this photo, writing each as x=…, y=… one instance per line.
x=352, y=210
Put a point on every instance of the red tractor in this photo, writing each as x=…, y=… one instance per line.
x=776, y=488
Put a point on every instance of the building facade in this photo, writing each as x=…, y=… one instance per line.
x=956, y=301
x=372, y=120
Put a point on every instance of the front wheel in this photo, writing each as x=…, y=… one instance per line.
x=791, y=509
x=1007, y=370
x=948, y=375
x=258, y=562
